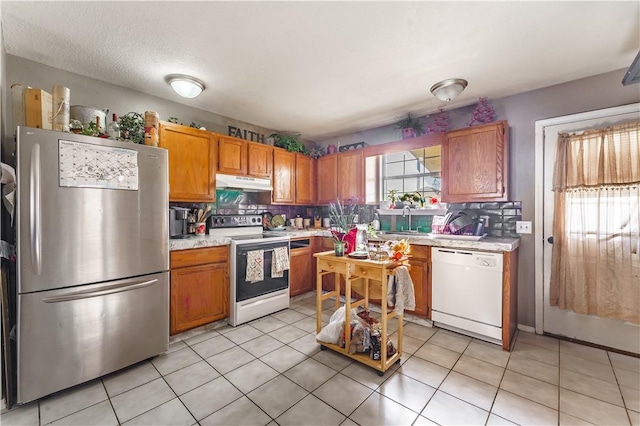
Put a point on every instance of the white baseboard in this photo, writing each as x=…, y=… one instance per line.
x=526, y=328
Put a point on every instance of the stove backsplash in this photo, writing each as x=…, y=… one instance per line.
x=502, y=216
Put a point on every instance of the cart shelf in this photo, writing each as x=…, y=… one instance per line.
x=368, y=279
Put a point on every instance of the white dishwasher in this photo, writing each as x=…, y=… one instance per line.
x=466, y=292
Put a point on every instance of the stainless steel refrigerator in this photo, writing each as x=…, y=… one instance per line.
x=92, y=258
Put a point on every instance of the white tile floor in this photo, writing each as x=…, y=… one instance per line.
x=272, y=371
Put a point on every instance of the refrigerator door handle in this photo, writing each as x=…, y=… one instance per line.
x=34, y=210
x=118, y=288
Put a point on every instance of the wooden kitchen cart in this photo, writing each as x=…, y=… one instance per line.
x=367, y=278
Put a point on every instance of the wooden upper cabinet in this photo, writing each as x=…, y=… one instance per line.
x=327, y=181
x=350, y=174
x=232, y=155
x=192, y=162
x=475, y=164
x=260, y=160
x=305, y=180
x=284, y=177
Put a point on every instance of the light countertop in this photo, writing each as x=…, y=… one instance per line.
x=199, y=241
x=487, y=244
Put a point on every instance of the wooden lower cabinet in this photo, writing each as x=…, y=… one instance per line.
x=420, y=276
x=199, y=287
x=328, y=281
x=300, y=272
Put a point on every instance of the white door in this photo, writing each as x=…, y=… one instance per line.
x=589, y=328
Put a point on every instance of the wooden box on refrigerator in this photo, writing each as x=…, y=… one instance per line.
x=38, y=106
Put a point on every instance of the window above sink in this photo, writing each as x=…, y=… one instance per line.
x=415, y=171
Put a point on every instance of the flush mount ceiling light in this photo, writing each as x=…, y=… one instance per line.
x=185, y=86
x=449, y=89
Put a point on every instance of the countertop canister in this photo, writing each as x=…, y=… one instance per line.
x=151, y=120
x=61, y=97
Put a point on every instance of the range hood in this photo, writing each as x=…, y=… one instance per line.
x=243, y=183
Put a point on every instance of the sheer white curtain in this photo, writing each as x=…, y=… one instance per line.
x=596, y=250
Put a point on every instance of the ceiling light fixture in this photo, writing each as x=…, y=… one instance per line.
x=185, y=86
x=447, y=90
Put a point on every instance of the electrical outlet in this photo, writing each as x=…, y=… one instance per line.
x=523, y=227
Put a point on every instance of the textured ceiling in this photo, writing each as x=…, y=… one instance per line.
x=326, y=68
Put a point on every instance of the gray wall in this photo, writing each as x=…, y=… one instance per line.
x=90, y=92
x=522, y=111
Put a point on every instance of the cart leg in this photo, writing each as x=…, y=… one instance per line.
x=398, y=361
x=323, y=347
x=380, y=373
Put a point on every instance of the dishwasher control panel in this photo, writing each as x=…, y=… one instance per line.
x=490, y=262
x=467, y=258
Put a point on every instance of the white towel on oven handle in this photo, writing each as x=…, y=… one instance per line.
x=255, y=266
x=279, y=262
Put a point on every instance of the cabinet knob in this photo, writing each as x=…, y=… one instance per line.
x=550, y=240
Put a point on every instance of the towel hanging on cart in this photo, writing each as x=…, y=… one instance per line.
x=400, y=292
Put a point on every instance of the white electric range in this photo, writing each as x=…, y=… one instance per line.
x=251, y=300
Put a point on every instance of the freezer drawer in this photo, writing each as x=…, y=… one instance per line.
x=67, y=337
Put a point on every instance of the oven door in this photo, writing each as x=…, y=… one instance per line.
x=244, y=289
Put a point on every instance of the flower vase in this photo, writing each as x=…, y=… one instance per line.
x=338, y=248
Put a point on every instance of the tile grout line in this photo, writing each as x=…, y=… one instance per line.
x=624, y=401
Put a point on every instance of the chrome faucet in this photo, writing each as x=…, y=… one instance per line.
x=406, y=209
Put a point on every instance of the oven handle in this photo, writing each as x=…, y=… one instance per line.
x=244, y=253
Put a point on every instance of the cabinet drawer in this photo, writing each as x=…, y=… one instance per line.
x=419, y=252
x=200, y=256
x=332, y=266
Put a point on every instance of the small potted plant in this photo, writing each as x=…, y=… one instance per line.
x=413, y=198
x=132, y=127
x=409, y=126
x=289, y=142
x=392, y=195
x=341, y=223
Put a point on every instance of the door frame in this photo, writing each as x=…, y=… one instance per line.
x=539, y=193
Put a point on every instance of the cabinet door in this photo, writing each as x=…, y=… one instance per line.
x=419, y=272
x=351, y=176
x=199, y=295
x=305, y=180
x=327, y=182
x=192, y=160
x=284, y=177
x=329, y=280
x=232, y=155
x=475, y=164
x=260, y=160
x=300, y=279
